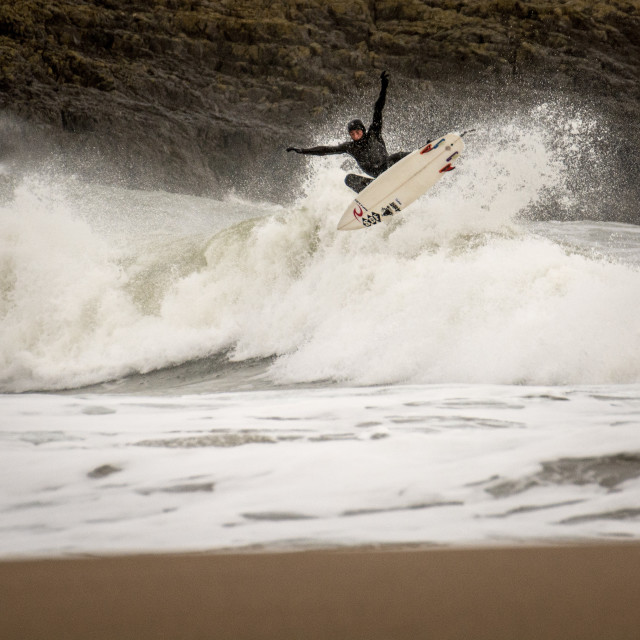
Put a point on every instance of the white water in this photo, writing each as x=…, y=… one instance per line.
x=436, y=465
x=450, y=309
x=97, y=283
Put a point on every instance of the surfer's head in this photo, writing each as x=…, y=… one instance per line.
x=356, y=129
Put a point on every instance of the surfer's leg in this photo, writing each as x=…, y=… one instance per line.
x=394, y=157
x=356, y=182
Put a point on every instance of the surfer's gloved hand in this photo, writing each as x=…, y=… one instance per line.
x=296, y=149
x=384, y=79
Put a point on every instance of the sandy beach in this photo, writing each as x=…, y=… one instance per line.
x=511, y=593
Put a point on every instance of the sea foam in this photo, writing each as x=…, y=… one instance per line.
x=99, y=282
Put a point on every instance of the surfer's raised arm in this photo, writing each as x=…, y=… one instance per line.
x=367, y=148
x=322, y=150
x=376, y=124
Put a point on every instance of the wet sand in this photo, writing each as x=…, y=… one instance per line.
x=514, y=593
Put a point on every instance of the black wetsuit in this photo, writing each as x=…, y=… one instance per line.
x=370, y=152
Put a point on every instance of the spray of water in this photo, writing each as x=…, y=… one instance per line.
x=99, y=282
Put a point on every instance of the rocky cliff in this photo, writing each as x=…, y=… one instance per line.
x=196, y=95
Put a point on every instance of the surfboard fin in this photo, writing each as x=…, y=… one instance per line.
x=447, y=167
x=431, y=147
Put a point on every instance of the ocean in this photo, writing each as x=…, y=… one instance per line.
x=184, y=373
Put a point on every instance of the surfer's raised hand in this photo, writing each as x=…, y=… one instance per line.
x=296, y=149
x=384, y=78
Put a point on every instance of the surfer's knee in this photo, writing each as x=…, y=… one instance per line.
x=349, y=180
x=395, y=157
x=355, y=182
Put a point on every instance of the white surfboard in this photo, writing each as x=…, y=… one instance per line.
x=403, y=183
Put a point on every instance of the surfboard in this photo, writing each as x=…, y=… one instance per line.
x=403, y=183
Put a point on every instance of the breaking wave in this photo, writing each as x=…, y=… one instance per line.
x=97, y=283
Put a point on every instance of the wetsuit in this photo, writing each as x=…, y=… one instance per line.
x=370, y=152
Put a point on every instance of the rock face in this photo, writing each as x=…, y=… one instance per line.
x=196, y=95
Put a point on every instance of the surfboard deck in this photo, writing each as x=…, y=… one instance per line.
x=403, y=183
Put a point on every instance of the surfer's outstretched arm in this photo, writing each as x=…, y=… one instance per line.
x=376, y=124
x=321, y=151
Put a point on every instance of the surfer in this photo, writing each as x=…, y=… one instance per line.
x=366, y=146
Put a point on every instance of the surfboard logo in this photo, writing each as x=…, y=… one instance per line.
x=390, y=209
x=357, y=213
x=371, y=219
